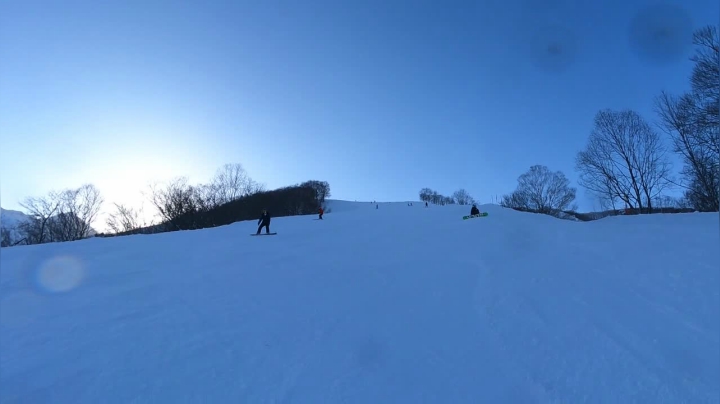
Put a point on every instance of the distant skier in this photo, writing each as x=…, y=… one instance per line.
x=264, y=221
x=320, y=212
x=426, y=204
x=474, y=211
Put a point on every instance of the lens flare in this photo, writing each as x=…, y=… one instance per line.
x=60, y=274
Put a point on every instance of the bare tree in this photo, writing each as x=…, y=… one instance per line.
x=624, y=159
x=436, y=198
x=667, y=202
x=77, y=211
x=541, y=190
x=40, y=210
x=426, y=194
x=682, y=120
x=125, y=219
x=693, y=124
x=256, y=188
x=61, y=216
x=6, y=239
x=607, y=198
x=517, y=200
x=462, y=197
x=208, y=196
x=230, y=183
x=322, y=190
x=180, y=205
x=705, y=79
x=173, y=200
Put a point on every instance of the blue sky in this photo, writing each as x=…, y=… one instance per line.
x=380, y=98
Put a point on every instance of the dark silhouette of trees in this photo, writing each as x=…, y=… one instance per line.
x=691, y=121
x=541, y=190
x=460, y=197
x=60, y=216
x=125, y=219
x=322, y=190
x=231, y=182
x=624, y=160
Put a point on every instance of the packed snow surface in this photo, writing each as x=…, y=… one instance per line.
x=398, y=304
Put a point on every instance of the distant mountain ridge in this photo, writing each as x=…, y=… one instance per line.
x=11, y=218
x=10, y=221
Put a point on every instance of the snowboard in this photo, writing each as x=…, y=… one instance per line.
x=482, y=214
x=263, y=234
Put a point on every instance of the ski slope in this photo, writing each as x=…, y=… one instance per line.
x=392, y=305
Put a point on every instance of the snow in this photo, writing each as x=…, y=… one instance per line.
x=392, y=305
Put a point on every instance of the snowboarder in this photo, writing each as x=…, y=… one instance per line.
x=264, y=221
x=320, y=211
x=474, y=211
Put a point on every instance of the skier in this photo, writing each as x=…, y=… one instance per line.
x=264, y=221
x=474, y=211
x=426, y=204
x=320, y=211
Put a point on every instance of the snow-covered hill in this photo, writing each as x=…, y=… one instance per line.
x=397, y=304
x=11, y=218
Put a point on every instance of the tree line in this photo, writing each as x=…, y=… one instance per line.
x=232, y=195
x=60, y=216
x=459, y=197
x=625, y=162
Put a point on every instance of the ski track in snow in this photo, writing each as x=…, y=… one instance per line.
x=397, y=304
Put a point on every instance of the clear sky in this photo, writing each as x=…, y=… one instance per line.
x=378, y=97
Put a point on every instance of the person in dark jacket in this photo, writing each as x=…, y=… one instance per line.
x=264, y=221
x=474, y=210
x=320, y=212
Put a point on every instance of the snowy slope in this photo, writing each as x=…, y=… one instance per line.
x=391, y=305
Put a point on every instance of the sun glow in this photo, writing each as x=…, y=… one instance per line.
x=124, y=175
